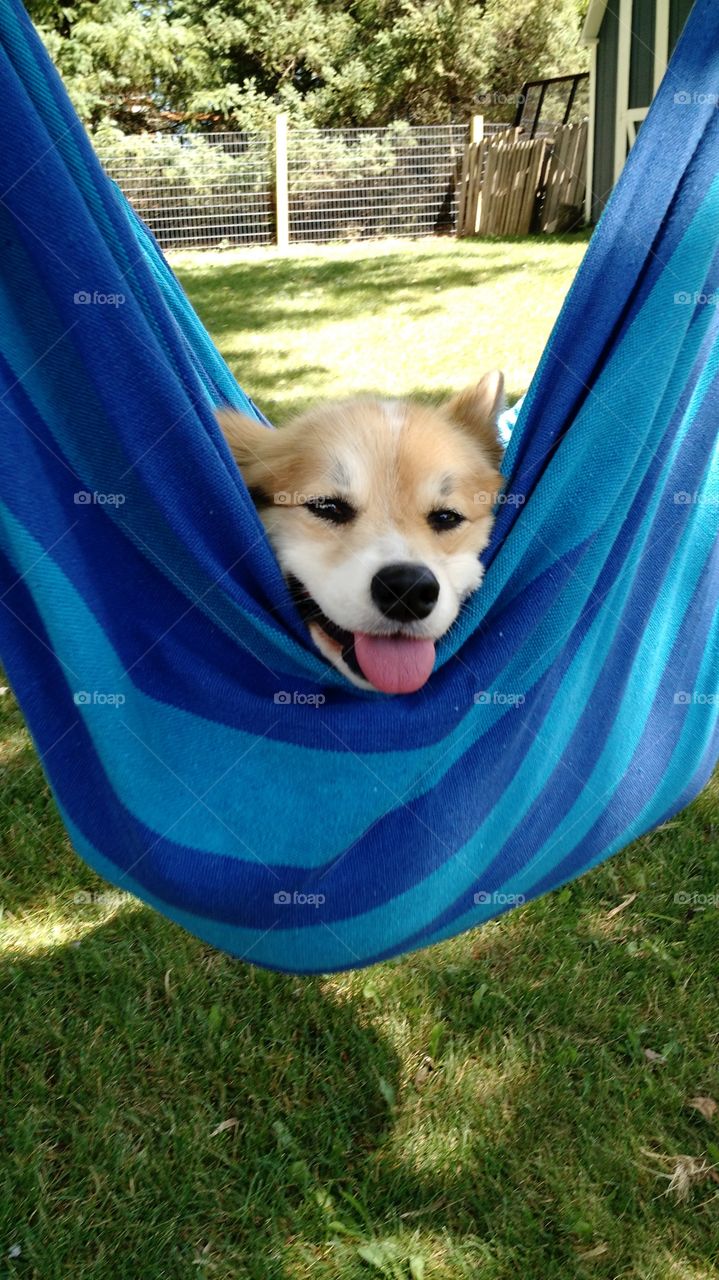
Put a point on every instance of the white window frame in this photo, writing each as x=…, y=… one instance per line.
x=627, y=119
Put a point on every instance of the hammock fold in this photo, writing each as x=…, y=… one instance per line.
x=203, y=755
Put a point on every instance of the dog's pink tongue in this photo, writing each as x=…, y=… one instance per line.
x=394, y=664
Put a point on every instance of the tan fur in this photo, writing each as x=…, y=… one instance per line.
x=394, y=461
x=477, y=408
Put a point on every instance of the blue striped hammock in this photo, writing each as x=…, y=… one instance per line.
x=153, y=644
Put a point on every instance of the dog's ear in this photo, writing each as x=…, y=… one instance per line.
x=256, y=450
x=246, y=436
x=477, y=409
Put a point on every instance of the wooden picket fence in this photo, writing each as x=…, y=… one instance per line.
x=565, y=179
x=510, y=186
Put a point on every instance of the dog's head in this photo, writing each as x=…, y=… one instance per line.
x=377, y=511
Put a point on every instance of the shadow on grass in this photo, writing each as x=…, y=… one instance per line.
x=260, y=311
x=254, y=295
x=191, y=1111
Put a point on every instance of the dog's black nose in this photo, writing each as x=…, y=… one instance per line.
x=405, y=592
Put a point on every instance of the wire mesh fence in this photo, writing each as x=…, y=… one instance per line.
x=353, y=184
x=198, y=190
x=218, y=189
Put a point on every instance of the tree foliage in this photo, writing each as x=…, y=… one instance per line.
x=158, y=64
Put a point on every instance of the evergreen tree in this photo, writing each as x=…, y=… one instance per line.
x=165, y=64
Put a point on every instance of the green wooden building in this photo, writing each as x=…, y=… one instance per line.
x=630, y=44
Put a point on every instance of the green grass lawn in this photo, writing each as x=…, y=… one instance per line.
x=423, y=318
x=531, y=1100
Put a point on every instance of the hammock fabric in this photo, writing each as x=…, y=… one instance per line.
x=172, y=690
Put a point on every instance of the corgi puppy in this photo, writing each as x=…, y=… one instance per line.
x=377, y=511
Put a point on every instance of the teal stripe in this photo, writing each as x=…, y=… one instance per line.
x=700, y=718
x=661, y=634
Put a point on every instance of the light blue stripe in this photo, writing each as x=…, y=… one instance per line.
x=630, y=719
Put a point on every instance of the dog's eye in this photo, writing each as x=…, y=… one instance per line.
x=441, y=520
x=336, y=510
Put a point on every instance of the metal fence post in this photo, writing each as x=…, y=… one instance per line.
x=281, y=183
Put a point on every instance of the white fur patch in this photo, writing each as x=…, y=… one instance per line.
x=395, y=415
